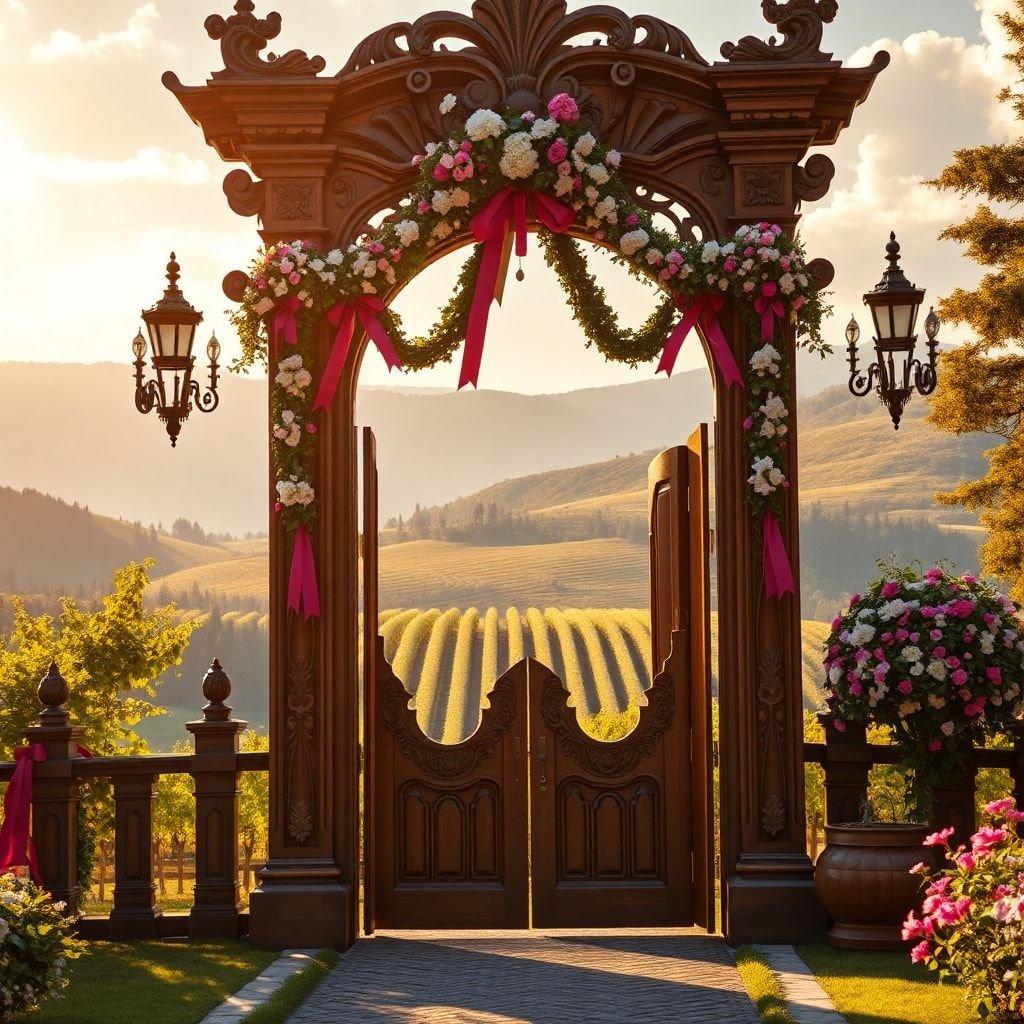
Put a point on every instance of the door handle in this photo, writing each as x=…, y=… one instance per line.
x=542, y=756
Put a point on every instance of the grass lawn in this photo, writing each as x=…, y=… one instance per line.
x=158, y=982
x=884, y=988
x=763, y=986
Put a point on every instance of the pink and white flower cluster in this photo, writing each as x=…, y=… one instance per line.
x=766, y=425
x=937, y=657
x=971, y=922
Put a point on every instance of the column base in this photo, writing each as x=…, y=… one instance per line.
x=129, y=925
x=301, y=905
x=772, y=900
x=213, y=924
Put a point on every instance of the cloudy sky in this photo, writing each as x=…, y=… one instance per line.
x=102, y=174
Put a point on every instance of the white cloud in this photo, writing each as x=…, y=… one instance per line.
x=148, y=164
x=17, y=7
x=134, y=37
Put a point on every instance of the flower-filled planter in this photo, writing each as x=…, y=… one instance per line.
x=971, y=923
x=939, y=660
x=495, y=174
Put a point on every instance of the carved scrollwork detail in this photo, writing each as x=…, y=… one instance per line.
x=300, y=822
x=814, y=179
x=300, y=726
x=609, y=759
x=344, y=189
x=773, y=815
x=801, y=23
x=665, y=38
x=245, y=196
x=712, y=177
x=771, y=723
x=440, y=760
x=646, y=125
x=656, y=203
x=243, y=37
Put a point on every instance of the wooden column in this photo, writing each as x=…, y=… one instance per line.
x=135, y=912
x=55, y=792
x=216, y=907
x=768, y=892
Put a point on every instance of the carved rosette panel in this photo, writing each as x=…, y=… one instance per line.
x=438, y=760
x=609, y=760
x=762, y=188
x=295, y=200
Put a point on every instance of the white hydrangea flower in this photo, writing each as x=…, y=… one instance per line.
x=562, y=186
x=910, y=654
x=544, y=128
x=861, y=634
x=766, y=360
x=585, y=144
x=442, y=229
x=711, y=252
x=335, y=256
x=265, y=305
x=937, y=669
x=774, y=408
x=448, y=104
x=613, y=158
x=598, y=173
x=459, y=197
x=485, y=124
x=408, y=231
x=441, y=202
x=633, y=241
x=518, y=158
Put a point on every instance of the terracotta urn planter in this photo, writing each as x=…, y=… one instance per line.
x=862, y=879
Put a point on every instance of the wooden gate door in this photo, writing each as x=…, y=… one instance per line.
x=450, y=820
x=621, y=832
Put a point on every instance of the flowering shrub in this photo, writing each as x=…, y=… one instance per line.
x=35, y=944
x=971, y=927
x=935, y=657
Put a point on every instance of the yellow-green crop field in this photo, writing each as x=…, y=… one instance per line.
x=450, y=660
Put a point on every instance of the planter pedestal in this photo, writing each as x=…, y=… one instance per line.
x=863, y=881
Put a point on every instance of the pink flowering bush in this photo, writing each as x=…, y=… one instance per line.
x=971, y=928
x=937, y=658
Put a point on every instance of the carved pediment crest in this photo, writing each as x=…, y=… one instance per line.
x=801, y=23
x=519, y=42
x=243, y=37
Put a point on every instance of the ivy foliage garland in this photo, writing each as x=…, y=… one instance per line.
x=558, y=156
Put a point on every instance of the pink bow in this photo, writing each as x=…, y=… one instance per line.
x=285, y=323
x=343, y=316
x=302, y=585
x=16, y=846
x=504, y=213
x=769, y=308
x=778, y=573
x=702, y=310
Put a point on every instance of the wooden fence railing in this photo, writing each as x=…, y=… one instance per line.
x=214, y=766
x=848, y=758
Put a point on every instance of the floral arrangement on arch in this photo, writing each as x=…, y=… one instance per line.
x=495, y=174
x=937, y=658
x=971, y=928
x=36, y=941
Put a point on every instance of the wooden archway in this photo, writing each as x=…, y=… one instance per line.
x=711, y=145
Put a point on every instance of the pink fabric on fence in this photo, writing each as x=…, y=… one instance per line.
x=16, y=846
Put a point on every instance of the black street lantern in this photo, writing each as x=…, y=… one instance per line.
x=172, y=324
x=896, y=373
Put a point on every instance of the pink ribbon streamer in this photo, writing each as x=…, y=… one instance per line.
x=770, y=308
x=778, y=573
x=16, y=846
x=284, y=322
x=367, y=310
x=702, y=310
x=504, y=213
x=303, y=593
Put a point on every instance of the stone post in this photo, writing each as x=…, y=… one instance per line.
x=216, y=908
x=55, y=792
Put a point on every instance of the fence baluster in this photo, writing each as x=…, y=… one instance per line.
x=847, y=764
x=135, y=912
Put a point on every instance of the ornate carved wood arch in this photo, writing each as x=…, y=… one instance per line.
x=728, y=139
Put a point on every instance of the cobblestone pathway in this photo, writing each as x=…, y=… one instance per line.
x=657, y=976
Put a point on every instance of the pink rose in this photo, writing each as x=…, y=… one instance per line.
x=890, y=589
x=563, y=108
x=632, y=220
x=994, y=675
x=294, y=277
x=730, y=265
x=565, y=169
x=748, y=424
x=935, y=746
x=854, y=600
x=935, y=634
x=856, y=689
x=423, y=206
x=940, y=838
x=278, y=506
x=906, y=687
x=837, y=621
x=466, y=146
x=310, y=428
x=441, y=173
x=558, y=151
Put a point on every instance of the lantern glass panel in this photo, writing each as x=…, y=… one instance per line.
x=883, y=329
x=903, y=318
